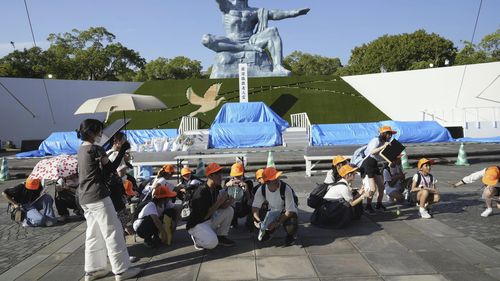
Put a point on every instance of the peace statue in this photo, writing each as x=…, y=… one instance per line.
x=247, y=38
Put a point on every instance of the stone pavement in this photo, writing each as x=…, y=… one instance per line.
x=456, y=245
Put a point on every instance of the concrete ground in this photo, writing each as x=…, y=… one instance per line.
x=457, y=244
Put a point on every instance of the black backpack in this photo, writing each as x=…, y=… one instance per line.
x=139, y=208
x=409, y=182
x=282, y=192
x=315, y=199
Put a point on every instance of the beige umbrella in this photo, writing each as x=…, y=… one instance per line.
x=120, y=102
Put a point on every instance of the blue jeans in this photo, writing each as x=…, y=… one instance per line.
x=40, y=211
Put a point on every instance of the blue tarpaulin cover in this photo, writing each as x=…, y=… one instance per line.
x=362, y=133
x=249, y=112
x=484, y=140
x=68, y=143
x=256, y=134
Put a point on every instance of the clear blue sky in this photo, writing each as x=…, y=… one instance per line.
x=169, y=28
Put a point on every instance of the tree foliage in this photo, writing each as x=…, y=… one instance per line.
x=81, y=55
x=177, y=68
x=307, y=64
x=488, y=50
x=400, y=52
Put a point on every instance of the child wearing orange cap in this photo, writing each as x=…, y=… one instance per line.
x=149, y=225
x=423, y=188
x=281, y=207
x=240, y=189
x=333, y=175
x=36, y=204
x=369, y=167
x=489, y=176
x=211, y=213
x=340, y=206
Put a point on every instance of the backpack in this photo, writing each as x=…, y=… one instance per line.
x=282, y=193
x=409, y=182
x=359, y=156
x=187, y=207
x=315, y=199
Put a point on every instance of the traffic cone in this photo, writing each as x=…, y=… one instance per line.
x=4, y=170
x=270, y=159
x=462, y=157
x=200, y=169
x=404, y=160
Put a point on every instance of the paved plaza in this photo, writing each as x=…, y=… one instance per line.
x=457, y=244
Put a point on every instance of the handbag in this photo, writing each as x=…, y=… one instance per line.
x=16, y=214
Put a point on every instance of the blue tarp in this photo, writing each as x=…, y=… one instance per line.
x=362, y=133
x=247, y=113
x=484, y=140
x=68, y=143
x=256, y=134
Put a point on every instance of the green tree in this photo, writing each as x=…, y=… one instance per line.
x=307, y=64
x=177, y=68
x=488, y=50
x=29, y=63
x=400, y=52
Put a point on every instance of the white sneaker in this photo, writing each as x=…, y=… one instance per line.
x=129, y=273
x=89, y=276
x=487, y=212
x=262, y=232
x=424, y=214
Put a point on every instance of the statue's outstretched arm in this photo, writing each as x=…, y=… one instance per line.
x=224, y=5
x=282, y=14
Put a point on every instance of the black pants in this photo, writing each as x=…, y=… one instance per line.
x=66, y=200
x=148, y=231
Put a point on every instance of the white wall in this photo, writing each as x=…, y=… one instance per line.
x=66, y=96
x=406, y=95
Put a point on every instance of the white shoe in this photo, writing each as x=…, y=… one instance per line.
x=487, y=212
x=89, y=276
x=262, y=232
x=424, y=214
x=129, y=273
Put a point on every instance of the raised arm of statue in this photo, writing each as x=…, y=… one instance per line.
x=283, y=14
x=224, y=5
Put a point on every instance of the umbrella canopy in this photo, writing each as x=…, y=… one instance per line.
x=61, y=166
x=120, y=102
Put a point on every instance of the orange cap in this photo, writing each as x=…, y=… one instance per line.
x=424, y=161
x=33, y=184
x=163, y=191
x=169, y=168
x=346, y=169
x=129, y=190
x=237, y=170
x=338, y=159
x=259, y=173
x=491, y=175
x=270, y=174
x=384, y=129
x=185, y=171
x=212, y=168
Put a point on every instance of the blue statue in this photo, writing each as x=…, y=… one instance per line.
x=247, y=36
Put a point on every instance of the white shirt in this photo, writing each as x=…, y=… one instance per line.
x=341, y=190
x=425, y=181
x=274, y=199
x=373, y=144
x=148, y=210
x=329, y=179
x=388, y=178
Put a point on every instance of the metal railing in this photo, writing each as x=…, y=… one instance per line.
x=301, y=120
x=188, y=123
x=464, y=115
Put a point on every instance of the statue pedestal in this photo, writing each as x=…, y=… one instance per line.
x=259, y=65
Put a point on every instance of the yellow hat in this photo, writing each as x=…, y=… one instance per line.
x=491, y=176
x=259, y=173
x=424, y=161
x=346, y=169
x=185, y=171
x=384, y=129
x=237, y=170
x=338, y=159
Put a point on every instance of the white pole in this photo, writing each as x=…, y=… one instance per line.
x=243, y=75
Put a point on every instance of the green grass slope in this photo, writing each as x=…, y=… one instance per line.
x=326, y=99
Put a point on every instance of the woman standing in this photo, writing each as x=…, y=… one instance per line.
x=104, y=236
